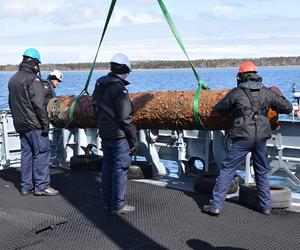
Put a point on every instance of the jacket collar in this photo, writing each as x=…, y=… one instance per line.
x=251, y=85
x=118, y=78
x=26, y=67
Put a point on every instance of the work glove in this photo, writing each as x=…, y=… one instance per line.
x=45, y=131
x=132, y=139
x=133, y=146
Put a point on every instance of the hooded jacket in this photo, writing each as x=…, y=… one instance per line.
x=246, y=124
x=27, y=100
x=117, y=123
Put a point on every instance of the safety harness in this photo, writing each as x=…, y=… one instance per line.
x=255, y=106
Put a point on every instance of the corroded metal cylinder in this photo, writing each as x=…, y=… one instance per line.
x=154, y=110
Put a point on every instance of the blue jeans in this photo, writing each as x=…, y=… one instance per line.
x=35, y=158
x=116, y=161
x=237, y=154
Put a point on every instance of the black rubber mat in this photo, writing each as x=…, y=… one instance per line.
x=20, y=228
x=164, y=218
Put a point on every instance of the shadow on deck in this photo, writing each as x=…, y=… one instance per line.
x=164, y=219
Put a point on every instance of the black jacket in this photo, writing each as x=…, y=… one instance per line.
x=247, y=125
x=51, y=92
x=27, y=100
x=115, y=121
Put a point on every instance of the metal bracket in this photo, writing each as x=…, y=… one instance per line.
x=277, y=144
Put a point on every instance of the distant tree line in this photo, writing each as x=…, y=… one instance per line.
x=167, y=64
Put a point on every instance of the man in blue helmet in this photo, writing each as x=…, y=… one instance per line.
x=28, y=102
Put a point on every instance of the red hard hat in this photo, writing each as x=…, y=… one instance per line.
x=247, y=66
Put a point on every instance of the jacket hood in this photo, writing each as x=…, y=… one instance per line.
x=112, y=78
x=251, y=85
x=25, y=66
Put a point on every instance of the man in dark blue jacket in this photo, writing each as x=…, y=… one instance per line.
x=28, y=103
x=248, y=105
x=114, y=117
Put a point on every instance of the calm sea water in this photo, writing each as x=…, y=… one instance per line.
x=157, y=80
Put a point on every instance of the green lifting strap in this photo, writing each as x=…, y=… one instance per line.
x=201, y=84
x=74, y=103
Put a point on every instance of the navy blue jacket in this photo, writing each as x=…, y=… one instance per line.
x=110, y=91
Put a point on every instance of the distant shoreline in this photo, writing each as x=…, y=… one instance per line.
x=142, y=69
x=167, y=64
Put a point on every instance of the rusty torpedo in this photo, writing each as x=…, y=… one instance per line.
x=154, y=110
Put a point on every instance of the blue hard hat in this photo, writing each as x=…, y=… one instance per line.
x=33, y=53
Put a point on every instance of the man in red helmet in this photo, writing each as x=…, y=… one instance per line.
x=248, y=105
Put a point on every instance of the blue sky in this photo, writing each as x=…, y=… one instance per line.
x=69, y=30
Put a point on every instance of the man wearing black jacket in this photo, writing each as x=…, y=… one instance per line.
x=28, y=102
x=114, y=116
x=248, y=105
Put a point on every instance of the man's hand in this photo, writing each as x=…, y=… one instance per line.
x=45, y=131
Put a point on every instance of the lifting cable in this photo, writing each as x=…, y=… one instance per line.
x=201, y=84
x=85, y=91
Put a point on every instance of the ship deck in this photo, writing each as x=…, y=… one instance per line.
x=165, y=218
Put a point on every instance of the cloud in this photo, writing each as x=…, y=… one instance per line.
x=70, y=32
x=127, y=17
x=154, y=41
x=25, y=9
x=77, y=12
x=74, y=15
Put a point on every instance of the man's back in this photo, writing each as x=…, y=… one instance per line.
x=238, y=103
x=27, y=100
x=114, y=109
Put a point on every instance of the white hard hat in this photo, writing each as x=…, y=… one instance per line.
x=121, y=59
x=57, y=74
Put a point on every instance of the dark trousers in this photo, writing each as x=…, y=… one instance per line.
x=116, y=161
x=237, y=154
x=35, y=157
